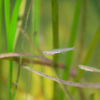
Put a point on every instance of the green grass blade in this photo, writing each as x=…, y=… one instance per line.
x=15, y=90
x=10, y=30
x=55, y=39
x=82, y=32
x=7, y=23
x=13, y=29
x=87, y=57
x=36, y=20
x=14, y=22
x=0, y=17
x=19, y=22
x=55, y=29
x=1, y=3
x=81, y=41
x=0, y=20
x=72, y=38
x=7, y=20
x=10, y=80
x=71, y=43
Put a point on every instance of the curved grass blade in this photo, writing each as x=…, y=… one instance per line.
x=27, y=57
x=85, y=85
x=44, y=75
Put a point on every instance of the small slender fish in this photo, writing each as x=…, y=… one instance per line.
x=87, y=68
x=55, y=51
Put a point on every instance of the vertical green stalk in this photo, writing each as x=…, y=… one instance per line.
x=81, y=41
x=82, y=32
x=36, y=20
x=55, y=29
x=0, y=18
x=13, y=23
x=0, y=42
x=10, y=80
x=55, y=39
x=7, y=21
x=71, y=43
x=72, y=38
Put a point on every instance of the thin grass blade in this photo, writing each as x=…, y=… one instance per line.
x=71, y=43
x=55, y=25
x=7, y=21
x=1, y=3
x=85, y=85
x=14, y=22
x=35, y=21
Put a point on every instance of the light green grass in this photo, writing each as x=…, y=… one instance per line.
x=36, y=21
x=10, y=32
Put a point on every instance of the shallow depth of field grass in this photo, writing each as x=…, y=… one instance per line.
x=28, y=28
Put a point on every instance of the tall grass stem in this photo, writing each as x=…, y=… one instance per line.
x=71, y=43
x=55, y=39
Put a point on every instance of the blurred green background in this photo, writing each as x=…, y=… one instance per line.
x=40, y=30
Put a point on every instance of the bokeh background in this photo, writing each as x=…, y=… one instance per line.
x=39, y=29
